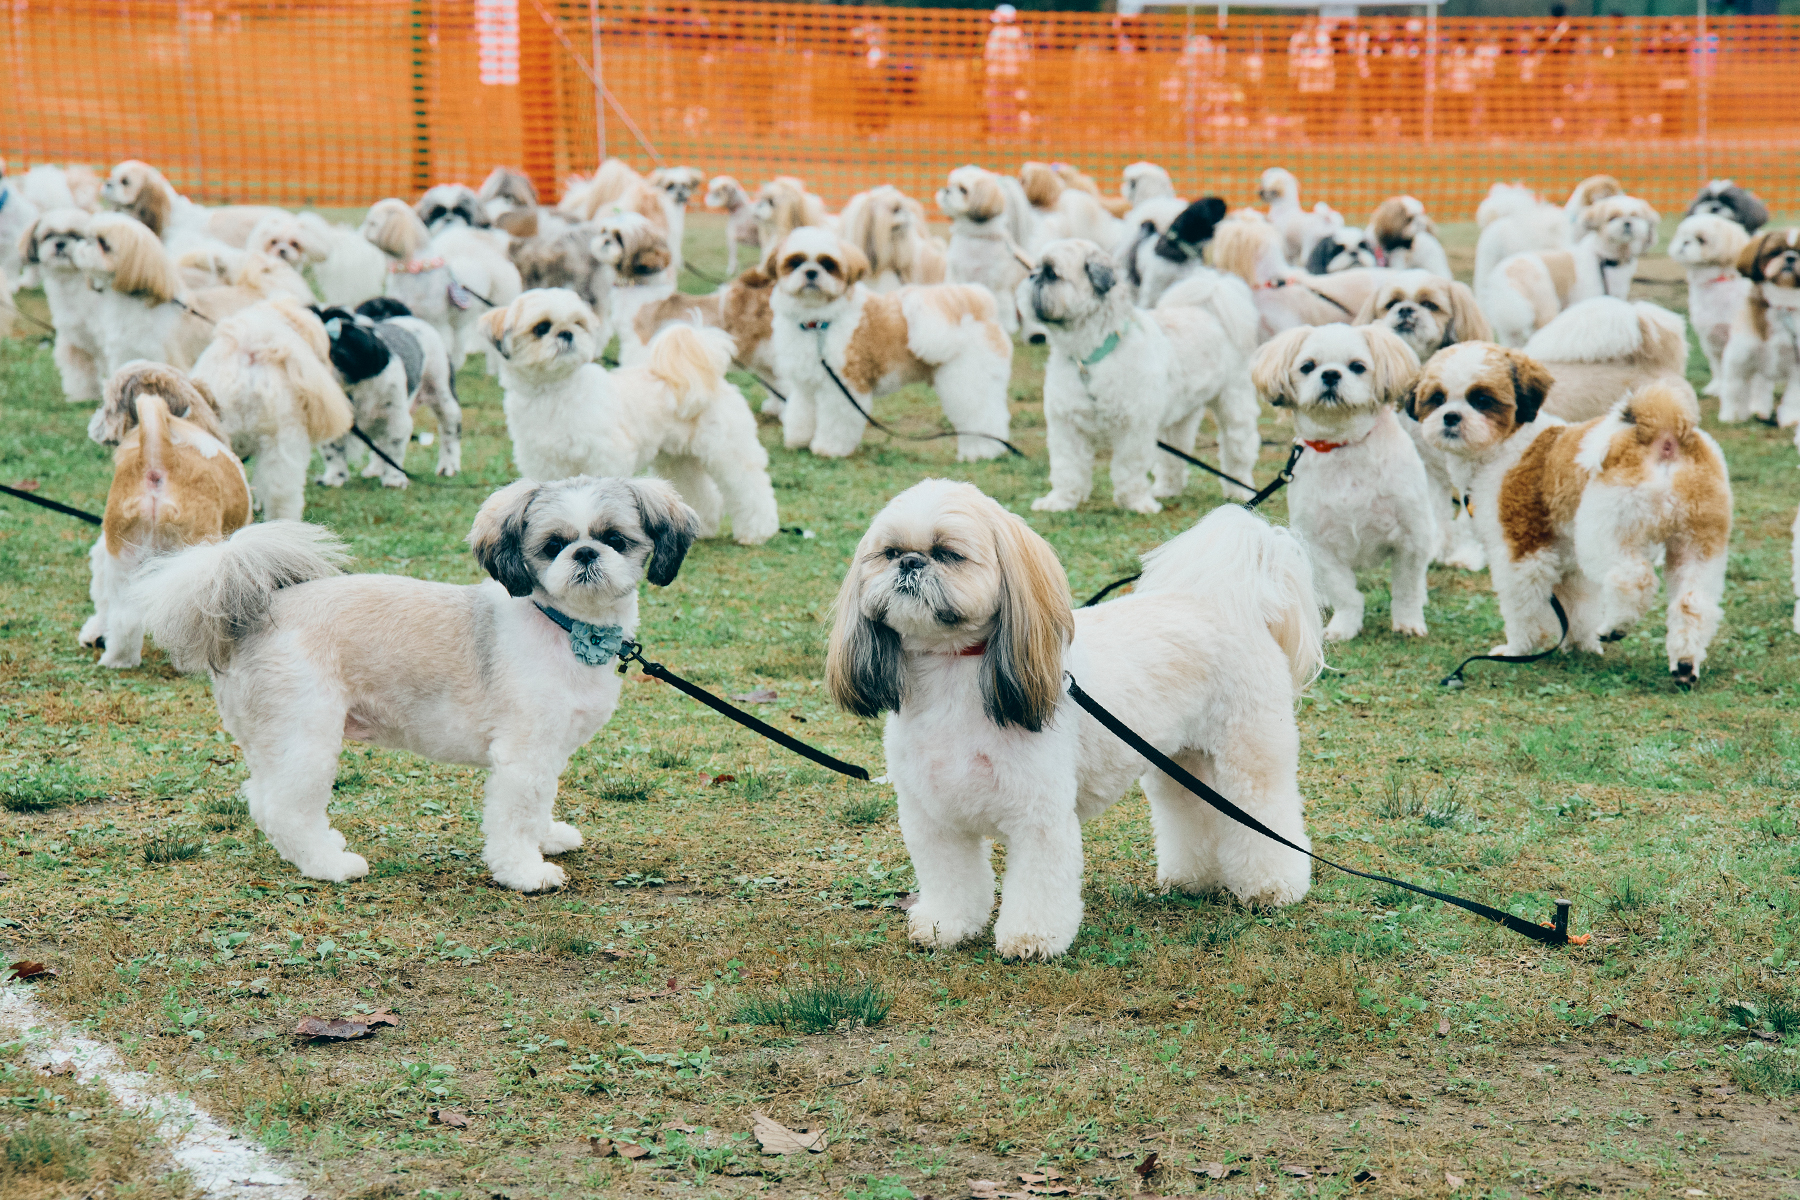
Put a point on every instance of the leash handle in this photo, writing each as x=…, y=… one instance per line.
x=1549, y=935
x=52, y=505
x=1207, y=467
x=379, y=453
x=1455, y=678
x=632, y=652
x=926, y=437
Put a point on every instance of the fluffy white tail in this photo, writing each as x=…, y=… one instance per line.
x=1236, y=560
x=1604, y=329
x=691, y=362
x=1226, y=297
x=200, y=603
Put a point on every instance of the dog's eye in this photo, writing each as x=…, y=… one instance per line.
x=828, y=264
x=555, y=546
x=793, y=262
x=1435, y=400
x=1306, y=368
x=104, y=246
x=541, y=328
x=1357, y=368
x=946, y=555
x=1482, y=399
x=1428, y=305
x=615, y=541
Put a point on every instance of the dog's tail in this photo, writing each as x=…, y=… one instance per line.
x=1227, y=298
x=199, y=604
x=691, y=363
x=1239, y=562
x=1606, y=330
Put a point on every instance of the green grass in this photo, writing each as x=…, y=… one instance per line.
x=1186, y=1024
x=171, y=847
x=50, y=1150
x=819, y=1007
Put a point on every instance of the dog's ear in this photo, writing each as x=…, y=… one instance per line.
x=856, y=263
x=1531, y=382
x=1101, y=273
x=143, y=267
x=493, y=326
x=671, y=525
x=863, y=667
x=498, y=536
x=28, y=250
x=1467, y=322
x=1021, y=672
x=1749, y=263
x=1274, y=362
x=1394, y=363
x=1409, y=403
x=518, y=222
x=1214, y=209
x=1371, y=309
x=357, y=352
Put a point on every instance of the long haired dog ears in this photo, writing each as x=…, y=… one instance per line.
x=672, y=527
x=492, y=324
x=856, y=263
x=1274, y=362
x=357, y=351
x=1531, y=382
x=498, y=537
x=863, y=669
x=1021, y=672
x=1392, y=360
x=383, y=308
x=1100, y=272
x=118, y=416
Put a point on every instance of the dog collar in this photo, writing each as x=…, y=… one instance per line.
x=815, y=326
x=414, y=266
x=595, y=645
x=1107, y=347
x=1723, y=277
x=5, y=195
x=975, y=651
x=1325, y=447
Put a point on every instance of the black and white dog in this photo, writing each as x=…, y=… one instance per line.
x=1723, y=198
x=1346, y=249
x=1162, y=255
x=389, y=362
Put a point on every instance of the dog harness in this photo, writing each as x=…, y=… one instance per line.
x=595, y=645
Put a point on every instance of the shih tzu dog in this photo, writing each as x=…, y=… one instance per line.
x=1162, y=256
x=345, y=267
x=1142, y=182
x=1526, y=291
x=1709, y=246
x=507, y=190
x=175, y=484
x=1300, y=230
x=1764, y=347
x=1249, y=247
x=449, y=205
x=991, y=221
x=1516, y=220
x=674, y=187
x=728, y=195
x=388, y=367
x=1360, y=497
x=1345, y=248
x=954, y=618
x=1582, y=512
x=1603, y=348
x=1122, y=375
x=676, y=413
x=1065, y=208
x=1723, y=198
x=827, y=323
x=47, y=248
x=889, y=227
x=1407, y=238
x=448, y=279
x=513, y=675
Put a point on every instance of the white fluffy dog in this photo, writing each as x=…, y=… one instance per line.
x=1360, y=496
x=514, y=675
x=268, y=370
x=1300, y=230
x=676, y=413
x=991, y=221
x=1764, y=347
x=728, y=195
x=1709, y=246
x=1516, y=220
x=449, y=280
x=889, y=227
x=47, y=248
x=345, y=267
x=954, y=618
x=1142, y=182
x=827, y=323
x=1525, y=292
x=1122, y=375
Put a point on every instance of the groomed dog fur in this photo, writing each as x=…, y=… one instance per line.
x=47, y=248
x=447, y=280
x=388, y=367
x=991, y=223
x=1764, y=347
x=1709, y=246
x=1602, y=349
x=1525, y=292
x=889, y=227
x=954, y=618
x=303, y=659
x=1407, y=238
x=1723, y=198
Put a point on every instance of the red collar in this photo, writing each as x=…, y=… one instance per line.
x=1726, y=277
x=975, y=651
x=1324, y=447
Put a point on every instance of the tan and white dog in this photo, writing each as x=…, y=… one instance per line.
x=1360, y=496
x=954, y=618
x=1407, y=237
x=47, y=249
x=1249, y=247
x=1601, y=349
x=1122, y=375
x=728, y=196
x=991, y=224
x=1515, y=220
x=1764, y=347
x=1709, y=246
x=1064, y=209
x=448, y=280
x=889, y=227
x=140, y=190
x=1581, y=512
x=740, y=308
x=1525, y=292
x=783, y=205
x=828, y=324
x=175, y=484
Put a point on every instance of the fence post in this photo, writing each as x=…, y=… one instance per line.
x=539, y=99
x=421, y=21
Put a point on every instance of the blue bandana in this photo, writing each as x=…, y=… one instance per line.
x=595, y=645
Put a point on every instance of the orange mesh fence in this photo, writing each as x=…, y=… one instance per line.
x=339, y=104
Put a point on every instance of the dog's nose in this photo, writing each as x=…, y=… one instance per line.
x=585, y=555
x=912, y=561
x=812, y=272
x=1330, y=378
x=1452, y=420
x=566, y=337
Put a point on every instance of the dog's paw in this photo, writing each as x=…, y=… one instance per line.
x=1685, y=672
x=1344, y=631
x=940, y=931
x=1409, y=628
x=1054, y=503
x=118, y=658
x=335, y=477
x=562, y=838
x=1023, y=945
x=824, y=449
x=93, y=633
x=1144, y=506
x=448, y=469
x=392, y=480
x=336, y=868
x=531, y=877
x=1711, y=388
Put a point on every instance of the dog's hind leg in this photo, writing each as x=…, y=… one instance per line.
x=1696, y=583
x=1234, y=412
x=435, y=392
x=280, y=474
x=291, y=773
x=101, y=586
x=697, y=488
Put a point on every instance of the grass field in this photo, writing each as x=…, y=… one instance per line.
x=1361, y=1042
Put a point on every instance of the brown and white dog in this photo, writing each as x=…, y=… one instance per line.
x=1764, y=347
x=991, y=222
x=828, y=324
x=1065, y=207
x=728, y=196
x=1248, y=246
x=140, y=190
x=889, y=227
x=175, y=484
x=1525, y=292
x=1580, y=512
x=1407, y=236
x=783, y=205
x=1515, y=220
x=740, y=308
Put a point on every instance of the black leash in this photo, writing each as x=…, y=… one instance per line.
x=52, y=505
x=1211, y=470
x=1282, y=478
x=691, y=269
x=1557, y=935
x=766, y=385
x=19, y=312
x=910, y=437
x=379, y=453
x=632, y=652
x=1455, y=678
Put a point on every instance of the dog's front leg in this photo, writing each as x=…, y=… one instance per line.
x=1523, y=589
x=1040, y=898
x=1071, y=464
x=799, y=417
x=1337, y=584
x=336, y=457
x=516, y=823
x=1134, y=457
x=956, y=880
x=1407, y=578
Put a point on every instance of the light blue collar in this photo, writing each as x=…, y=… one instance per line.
x=595, y=645
x=1107, y=347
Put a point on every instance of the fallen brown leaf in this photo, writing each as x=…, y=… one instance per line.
x=444, y=1116
x=1443, y=1028
x=680, y=1126
x=1296, y=1170
x=600, y=1147
x=25, y=969
x=381, y=1018
x=759, y=696
x=341, y=1029
x=1147, y=1168
x=1211, y=1170
x=632, y=1150
x=776, y=1138
x=1454, y=1181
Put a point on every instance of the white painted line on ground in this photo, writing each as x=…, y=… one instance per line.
x=221, y=1163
